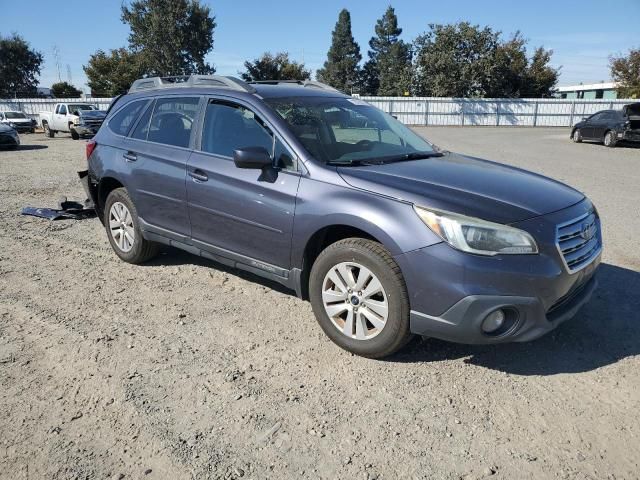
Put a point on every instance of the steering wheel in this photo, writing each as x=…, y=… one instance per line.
x=367, y=144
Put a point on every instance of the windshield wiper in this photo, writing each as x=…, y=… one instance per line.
x=411, y=156
x=389, y=159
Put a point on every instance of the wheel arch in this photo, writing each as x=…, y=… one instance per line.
x=325, y=236
x=105, y=186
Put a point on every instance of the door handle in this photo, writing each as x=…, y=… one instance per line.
x=199, y=176
x=130, y=157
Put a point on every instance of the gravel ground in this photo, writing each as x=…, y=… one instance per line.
x=185, y=369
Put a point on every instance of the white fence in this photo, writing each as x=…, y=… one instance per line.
x=530, y=112
x=32, y=106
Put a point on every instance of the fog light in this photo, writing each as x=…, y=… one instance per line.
x=493, y=322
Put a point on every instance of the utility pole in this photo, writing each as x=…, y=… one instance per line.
x=69, y=77
x=56, y=56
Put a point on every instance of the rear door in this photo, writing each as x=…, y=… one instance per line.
x=238, y=213
x=601, y=125
x=160, y=145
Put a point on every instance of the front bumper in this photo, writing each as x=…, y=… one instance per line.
x=8, y=140
x=24, y=127
x=452, y=292
x=86, y=129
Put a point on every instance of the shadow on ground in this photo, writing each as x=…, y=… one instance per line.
x=605, y=331
x=32, y=147
x=175, y=256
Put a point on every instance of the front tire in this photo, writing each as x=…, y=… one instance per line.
x=123, y=229
x=576, y=137
x=74, y=134
x=360, y=299
x=610, y=139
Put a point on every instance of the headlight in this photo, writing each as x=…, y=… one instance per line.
x=474, y=235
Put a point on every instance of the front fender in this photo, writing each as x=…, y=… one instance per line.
x=393, y=223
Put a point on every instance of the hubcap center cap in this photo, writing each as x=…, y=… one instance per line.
x=355, y=300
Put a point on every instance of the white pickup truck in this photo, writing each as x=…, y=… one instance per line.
x=78, y=119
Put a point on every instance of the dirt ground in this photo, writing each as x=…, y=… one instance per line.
x=183, y=369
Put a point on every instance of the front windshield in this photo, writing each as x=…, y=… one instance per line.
x=76, y=107
x=347, y=130
x=15, y=115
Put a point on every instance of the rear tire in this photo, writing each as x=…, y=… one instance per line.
x=123, y=229
x=576, y=136
x=610, y=139
x=47, y=131
x=365, y=319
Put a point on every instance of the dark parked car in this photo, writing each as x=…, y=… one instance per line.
x=385, y=234
x=610, y=126
x=9, y=137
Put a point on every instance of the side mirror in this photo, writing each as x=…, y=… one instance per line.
x=584, y=119
x=252, y=157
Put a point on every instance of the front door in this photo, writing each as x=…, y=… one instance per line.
x=244, y=214
x=60, y=118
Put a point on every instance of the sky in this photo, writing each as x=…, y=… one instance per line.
x=582, y=34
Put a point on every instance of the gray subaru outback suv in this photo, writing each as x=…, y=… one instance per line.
x=385, y=234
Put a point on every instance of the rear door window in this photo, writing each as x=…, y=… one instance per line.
x=122, y=121
x=172, y=121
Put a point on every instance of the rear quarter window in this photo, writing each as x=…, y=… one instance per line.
x=121, y=122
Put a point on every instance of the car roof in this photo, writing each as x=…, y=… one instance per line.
x=230, y=86
x=293, y=90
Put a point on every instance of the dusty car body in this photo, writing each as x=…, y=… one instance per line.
x=385, y=234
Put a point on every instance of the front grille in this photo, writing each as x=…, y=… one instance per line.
x=579, y=241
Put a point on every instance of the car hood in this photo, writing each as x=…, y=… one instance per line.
x=5, y=128
x=17, y=120
x=465, y=185
x=92, y=114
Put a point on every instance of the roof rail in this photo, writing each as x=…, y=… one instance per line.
x=304, y=83
x=218, y=81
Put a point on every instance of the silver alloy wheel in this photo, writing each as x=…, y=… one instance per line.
x=607, y=139
x=121, y=226
x=576, y=135
x=355, y=300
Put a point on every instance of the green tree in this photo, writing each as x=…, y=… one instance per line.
x=275, y=67
x=112, y=73
x=540, y=77
x=390, y=57
x=19, y=67
x=341, y=68
x=455, y=60
x=464, y=60
x=172, y=36
x=625, y=71
x=65, y=90
x=508, y=74
x=369, y=78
